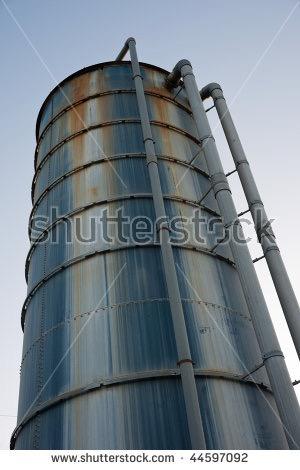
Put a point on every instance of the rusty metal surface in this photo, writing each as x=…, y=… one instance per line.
x=118, y=177
x=130, y=332
x=98, y=78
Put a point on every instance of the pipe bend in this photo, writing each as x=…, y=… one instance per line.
x=180, y=64
x=128, y=41
x=174, y=77
x=208, y=89
x=124, y=49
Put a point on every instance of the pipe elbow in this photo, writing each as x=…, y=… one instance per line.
x=174, y=77
x=128, y=41
x=180, y=64
x=124, y=49
x=208, y=89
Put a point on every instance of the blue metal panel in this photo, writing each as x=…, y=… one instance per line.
x=99, y=366
x=143, y=414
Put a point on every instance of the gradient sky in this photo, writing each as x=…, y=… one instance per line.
x=251, y=48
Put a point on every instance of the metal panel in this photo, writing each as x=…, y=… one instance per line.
x=149, y=407
x=119, y=378
x=114, y=141
x=117, y=178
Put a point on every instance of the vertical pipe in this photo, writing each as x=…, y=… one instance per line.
x=263, y=229
x=273, y=359
x=183, y=349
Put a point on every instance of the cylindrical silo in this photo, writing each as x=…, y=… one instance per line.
x=99, y=367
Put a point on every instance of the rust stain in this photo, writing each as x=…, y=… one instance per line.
x=161, y=109
x=80, y=87
x=166, y=139
x=76, y=118
x=94, y=190
x=77, y=121
x=155, y=81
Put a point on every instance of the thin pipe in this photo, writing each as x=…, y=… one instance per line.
x=124, y=50
x=272, y=356
x=263, y=228
x=185, y=362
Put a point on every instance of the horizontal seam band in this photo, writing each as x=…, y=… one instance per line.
x=108, y=93
x=149, y=375
x=112, y=123
x=105, y=160
x=106, y=308
x=108, y=201
x=103, y=252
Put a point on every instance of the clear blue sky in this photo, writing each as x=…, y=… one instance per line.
x=250, y=47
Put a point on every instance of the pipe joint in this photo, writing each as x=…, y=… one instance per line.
x=271, y=248
x=232, y=224
x=270, y=354
x=125, y=48
x=241, y=162
x=131, y=39
x=219, y=183
x=205, y=137
x=163, y=224
x=255, y=202
x=146, y=139
x=185, y=361
x=173, y=79
x=181, y=64
x=264, y=230
x=208, y=89
x=137, y=75
x=152, y=160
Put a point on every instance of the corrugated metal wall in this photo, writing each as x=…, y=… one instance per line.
x=99, y=367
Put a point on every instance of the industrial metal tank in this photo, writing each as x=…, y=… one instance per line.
x=99, y=367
